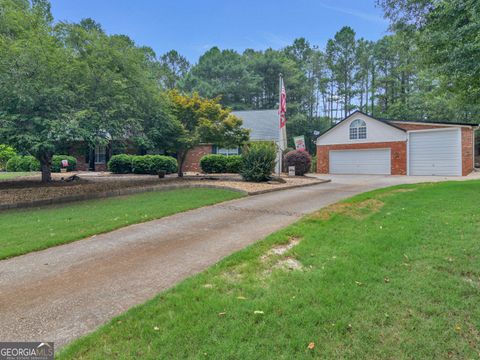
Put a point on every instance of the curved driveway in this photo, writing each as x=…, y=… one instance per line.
x=61, y=293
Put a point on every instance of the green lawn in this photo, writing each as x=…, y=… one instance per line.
x=23, y=231
x=392, y=274
x=13, y=175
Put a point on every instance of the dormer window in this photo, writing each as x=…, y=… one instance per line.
x=358, y=130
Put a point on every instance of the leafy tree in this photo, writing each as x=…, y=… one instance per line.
x=35, y=100
x=201, y=120
x=448, y=39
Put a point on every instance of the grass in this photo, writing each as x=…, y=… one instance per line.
x=28, y=230
x=13, y=175
x=391, y=274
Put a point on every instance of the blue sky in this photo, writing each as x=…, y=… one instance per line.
x=193, y=26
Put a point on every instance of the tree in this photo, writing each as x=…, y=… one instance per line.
x=448, y=40
x=200, y=120
x=223, y=74
x=343, y=52
x=35, y=100
x=173, y=67
x=113, y=82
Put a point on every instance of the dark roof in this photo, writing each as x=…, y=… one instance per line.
x=429, y=122
x=389, y=122
x=262, y=123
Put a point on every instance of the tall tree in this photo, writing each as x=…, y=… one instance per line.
x=173, y=67
x=343, y=51
x=35, y=100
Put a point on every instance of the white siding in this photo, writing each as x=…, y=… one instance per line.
x=377, y=131
x=435, y=152
x=371, y=161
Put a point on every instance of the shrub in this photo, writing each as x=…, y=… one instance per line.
x=23, y=163
x=13, y=164
x=121, y=164
x=234, y=164
x=214, y=163
x=301, y=159
x=152, y=164
x=57, y=162
x=6, y=153
x=258, y=162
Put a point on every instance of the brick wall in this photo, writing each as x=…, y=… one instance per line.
x=398, y=151
x=467, y=151
x=192, y=162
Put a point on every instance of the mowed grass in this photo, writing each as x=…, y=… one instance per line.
x=23, y=231
x=13, y=175
x=392, y=274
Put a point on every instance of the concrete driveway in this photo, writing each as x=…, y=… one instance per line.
x=64, y=292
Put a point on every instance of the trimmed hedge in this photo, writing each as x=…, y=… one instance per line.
x=258, y=162
x=29, y=163
x=57, y=162
x=152, y=164
x=121, y=164
x=23, y=163
x=217, y=164
x=301, y=159
x=234, y=164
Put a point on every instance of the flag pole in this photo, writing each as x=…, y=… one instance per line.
x=280, y=145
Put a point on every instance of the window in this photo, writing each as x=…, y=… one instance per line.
x=227, y=152
x=100, y=154
x=358, y=130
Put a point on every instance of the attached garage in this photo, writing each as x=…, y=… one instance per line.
x=436, y=152
x=361, y=144
x=368, y=161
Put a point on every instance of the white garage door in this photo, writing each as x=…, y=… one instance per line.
x=435, y=153
x=371, y=161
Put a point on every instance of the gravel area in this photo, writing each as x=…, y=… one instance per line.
x=29, y=189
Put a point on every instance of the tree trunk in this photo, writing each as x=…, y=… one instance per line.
x=46, y=165
x=181, y=156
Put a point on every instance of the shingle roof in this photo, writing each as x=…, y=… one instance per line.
x=262, y=123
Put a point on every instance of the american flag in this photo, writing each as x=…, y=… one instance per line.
x=282, y=109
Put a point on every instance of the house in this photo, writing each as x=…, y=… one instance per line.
x=363, y=144
x=263, y=125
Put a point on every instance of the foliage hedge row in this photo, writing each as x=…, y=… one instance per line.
x=142, y=164
x=29, y=163
x=216, y=164
x=23, y=163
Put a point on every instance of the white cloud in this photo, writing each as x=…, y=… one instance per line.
x=355, y=13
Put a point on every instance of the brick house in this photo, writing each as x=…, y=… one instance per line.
x=263, y=125
x=362, y=144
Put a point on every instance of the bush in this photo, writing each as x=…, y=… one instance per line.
x=57, y=162
x=6, y=153
x=258, y=162
x=23, y=163
x=301, y=159
x=152, y=164
x=214, y=164
x=121, y=164
x=217, y=164
x=234, y=164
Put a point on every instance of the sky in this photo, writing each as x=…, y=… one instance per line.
x=193, y=26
